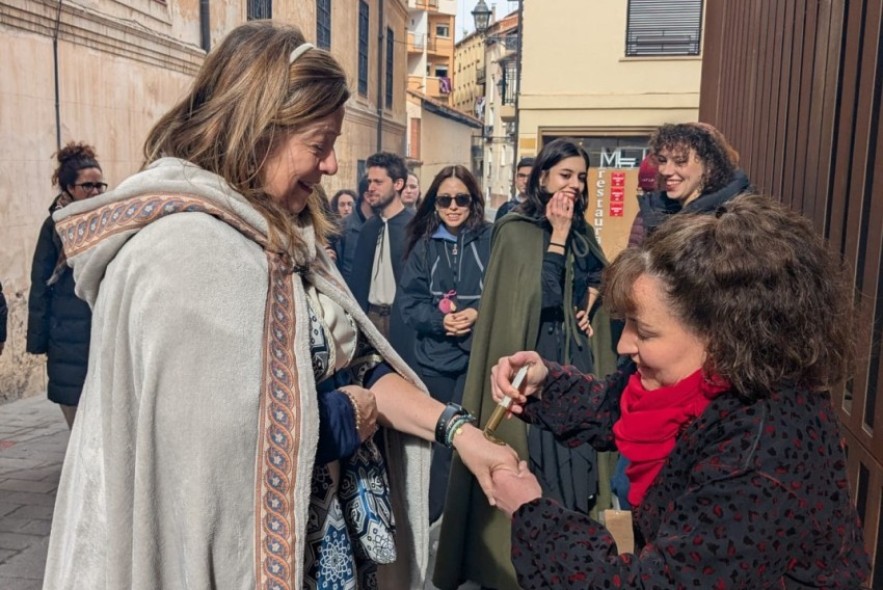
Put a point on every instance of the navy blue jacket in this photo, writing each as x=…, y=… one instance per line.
x=59, y=322
x=432, y=270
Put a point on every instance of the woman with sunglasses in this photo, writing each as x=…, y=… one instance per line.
x=447, y=252
x=542, y=279
x=59, y=323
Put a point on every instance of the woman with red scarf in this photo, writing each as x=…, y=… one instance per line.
x=737, y=328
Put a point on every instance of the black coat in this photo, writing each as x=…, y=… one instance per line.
x=433, y=269
x=359, y=280
x=753, y=495
x=4, y=311
x=506, y=208
x=345, y=246
x=59, y=323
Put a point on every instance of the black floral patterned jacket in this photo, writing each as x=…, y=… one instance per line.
x=752, y=496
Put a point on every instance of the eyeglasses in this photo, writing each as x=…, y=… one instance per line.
x=93, y=186
x=462, y=199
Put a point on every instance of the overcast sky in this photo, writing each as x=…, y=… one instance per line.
x=464, y=13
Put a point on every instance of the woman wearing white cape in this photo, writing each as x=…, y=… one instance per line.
x=193, y=461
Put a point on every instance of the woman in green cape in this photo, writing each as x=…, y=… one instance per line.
x=542, y=281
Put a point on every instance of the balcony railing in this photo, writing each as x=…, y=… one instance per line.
x=418, y=42
x=423, y=4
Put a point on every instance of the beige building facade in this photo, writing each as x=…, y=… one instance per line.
x=607, y=73
x=439, y=136
x=431, y=48
x=120, y=66
x=469, y=74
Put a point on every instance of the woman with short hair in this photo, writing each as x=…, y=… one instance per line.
x=739, y=326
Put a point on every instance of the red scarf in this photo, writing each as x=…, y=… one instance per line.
x=651, y=421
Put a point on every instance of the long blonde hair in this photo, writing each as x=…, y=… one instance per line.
x=246, y=99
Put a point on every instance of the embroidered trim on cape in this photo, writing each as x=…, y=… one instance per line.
x=279, y=426
x=278, y=437
x=80, y=232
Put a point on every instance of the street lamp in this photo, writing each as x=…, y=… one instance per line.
x=482, y=15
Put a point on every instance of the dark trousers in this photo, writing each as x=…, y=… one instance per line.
x=447, y=388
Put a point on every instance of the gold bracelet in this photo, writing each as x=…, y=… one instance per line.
x=356, y=413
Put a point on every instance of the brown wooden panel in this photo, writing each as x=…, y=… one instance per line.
x=848, y=86
x=814, y=203
x=777, y=186
x=796, y=86
x=770, y=62
x=828, y=115
x=712, y=54
x=859, y=460
x=788, y=169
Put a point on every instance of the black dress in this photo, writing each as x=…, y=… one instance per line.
x=568, y=475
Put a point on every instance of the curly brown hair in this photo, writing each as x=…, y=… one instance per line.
x=718, y=157
x=72, y=158
x=759, y=285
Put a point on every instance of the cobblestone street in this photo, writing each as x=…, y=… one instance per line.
x=33, y=438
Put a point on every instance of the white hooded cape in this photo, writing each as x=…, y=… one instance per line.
x=190, y=460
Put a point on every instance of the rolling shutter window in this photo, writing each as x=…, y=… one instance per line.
x=664, y=27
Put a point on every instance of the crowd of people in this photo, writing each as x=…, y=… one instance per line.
x=286, y=390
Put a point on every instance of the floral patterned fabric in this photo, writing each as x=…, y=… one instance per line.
x=754, y=495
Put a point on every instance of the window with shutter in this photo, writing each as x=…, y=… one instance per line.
x=257, y=9
x=664, y=27
x=364, y=23
x=390, y=65
x=323, y=23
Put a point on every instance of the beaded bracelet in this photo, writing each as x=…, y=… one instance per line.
x=455, y=426
x=450, y=412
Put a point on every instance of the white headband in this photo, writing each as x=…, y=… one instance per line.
x=299, y=51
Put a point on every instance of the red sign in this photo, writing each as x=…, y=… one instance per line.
x=617, y=179
x=616, y=210
x=617, y=194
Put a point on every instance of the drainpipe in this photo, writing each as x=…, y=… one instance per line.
x=205, y=31
x=380, y=53
x=57, y=84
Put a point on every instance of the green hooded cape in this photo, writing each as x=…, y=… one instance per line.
x=475, y=538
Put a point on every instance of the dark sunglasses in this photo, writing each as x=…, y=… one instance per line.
x=93, y=186
x=444, y=201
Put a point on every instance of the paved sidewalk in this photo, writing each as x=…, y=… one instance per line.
x=33, y=438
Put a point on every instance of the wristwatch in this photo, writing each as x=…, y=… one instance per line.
x=450, y=412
